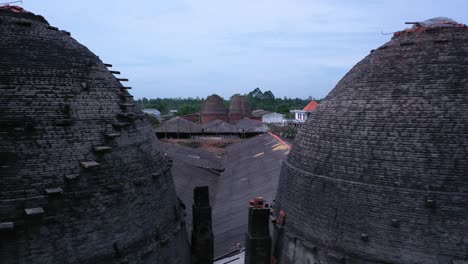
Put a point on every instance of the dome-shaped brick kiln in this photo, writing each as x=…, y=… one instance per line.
x=379, y=172
x=239, y=109
x=82, y=177
x=213, y=109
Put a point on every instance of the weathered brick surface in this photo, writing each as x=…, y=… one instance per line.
x=57, y=102
x=379, y=172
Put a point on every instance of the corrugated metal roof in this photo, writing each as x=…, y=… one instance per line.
x=218, y=126
x=246, y=176
x=260, y=112
x=238, y=258
x=192, y=168
x=250, y=125
x=252, y=169
x=195, y=156
x=179, y=125
x=186, y=177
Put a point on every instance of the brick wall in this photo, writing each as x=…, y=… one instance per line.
x=207, y=118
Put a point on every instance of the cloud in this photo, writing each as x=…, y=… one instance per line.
x=295, y=48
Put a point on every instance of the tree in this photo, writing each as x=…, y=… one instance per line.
x=268, y=95
x=256, y=93
x=187, y=109
x=256, y=98
x=283, y=109
x=145, y=101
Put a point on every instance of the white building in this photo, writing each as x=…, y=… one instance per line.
x=150, y=111
x=300, y=116
x=273, y=118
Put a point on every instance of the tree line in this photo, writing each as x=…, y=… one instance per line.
x=256, y=98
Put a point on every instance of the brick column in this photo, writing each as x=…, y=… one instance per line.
x=257, y=239
x=202, y=233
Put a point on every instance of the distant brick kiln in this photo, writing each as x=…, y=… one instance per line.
x=379, y=172
x=213, y=109
x=82, y=178
x=239, y=109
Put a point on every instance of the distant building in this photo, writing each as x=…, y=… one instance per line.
x=239, y=109
x=252, y=126
x=169, y=115
x=195, y=117
x=257, y=114
x=178, y=127
x=273, y=118
x=150, y=111
x=300, y=116
x=220, y=127
x=213, y=109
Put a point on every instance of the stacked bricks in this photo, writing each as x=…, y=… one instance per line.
x=82, y=177
x=379, y=172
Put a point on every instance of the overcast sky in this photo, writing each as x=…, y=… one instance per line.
x=295, y=48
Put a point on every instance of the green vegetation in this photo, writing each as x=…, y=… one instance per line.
x=186, y=109
x=267, y=101
x=256, y=98
x=184, y=105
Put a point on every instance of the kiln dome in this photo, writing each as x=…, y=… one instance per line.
x=83, y=179
x=379, y=172
x=239, y=108
x=213, y=109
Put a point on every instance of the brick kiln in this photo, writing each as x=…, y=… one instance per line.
x=379, y=172
x=82, y=177
x=239, y=108
x=213, y=109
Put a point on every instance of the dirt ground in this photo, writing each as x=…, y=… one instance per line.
x=215, y=145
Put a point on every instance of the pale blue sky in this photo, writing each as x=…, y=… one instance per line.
x=295, y=48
